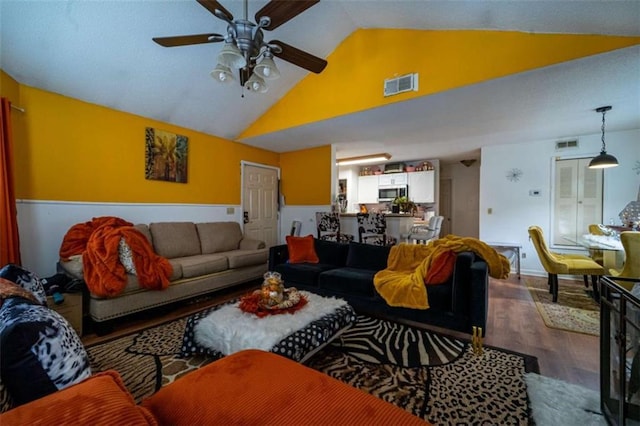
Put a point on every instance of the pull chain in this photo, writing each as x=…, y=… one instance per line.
x=602, y=128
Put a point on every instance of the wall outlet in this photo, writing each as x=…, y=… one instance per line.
x=231, y=210
x=524, y=255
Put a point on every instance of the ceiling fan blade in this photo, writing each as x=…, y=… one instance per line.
x=212, y=5
x=188, y=39
x=280, y=11
x=299, y=57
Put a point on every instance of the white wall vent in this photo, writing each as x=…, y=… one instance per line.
x=404, y=83
x=566, y=144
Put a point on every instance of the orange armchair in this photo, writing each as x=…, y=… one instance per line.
x=564, y=264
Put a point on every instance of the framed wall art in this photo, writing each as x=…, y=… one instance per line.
x=165, y=156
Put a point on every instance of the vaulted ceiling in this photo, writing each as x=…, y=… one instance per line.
x=101, y=52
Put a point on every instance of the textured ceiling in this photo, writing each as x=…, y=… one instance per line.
x=101, y=52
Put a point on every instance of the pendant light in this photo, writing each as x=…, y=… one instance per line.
x=603, y=160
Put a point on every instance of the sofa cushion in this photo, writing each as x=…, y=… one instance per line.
x=39, y=351
x=202, y=264
x=305, y=274
x=242, y=258
x=175, y=239
x=176, y=274
x=254, y=387
x=367, y=256
x=25, y=279
x=331, y=252
x=354, y=281
x=144, y=229
x=301, y=249
x=101, y=399
x=217, y=237
x=441, y=268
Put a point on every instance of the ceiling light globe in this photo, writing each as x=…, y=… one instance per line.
x=222, y=74
x=231, y=56
x=267, y=68
x=256, y=84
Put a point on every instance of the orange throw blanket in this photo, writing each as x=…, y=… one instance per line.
x=103, y=272
x=402, y=282
x=76, y=239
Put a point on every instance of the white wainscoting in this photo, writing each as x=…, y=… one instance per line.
x=43, y=224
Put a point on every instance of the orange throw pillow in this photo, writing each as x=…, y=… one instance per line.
x=441, y=268
x=302, y=249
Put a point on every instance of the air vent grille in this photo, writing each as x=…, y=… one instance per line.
x=566, y=144
x=405, y=83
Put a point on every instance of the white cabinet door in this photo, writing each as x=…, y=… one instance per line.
x=393, y=179
x=422, y=186
x=367, y=189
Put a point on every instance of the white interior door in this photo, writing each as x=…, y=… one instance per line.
x=260, y=202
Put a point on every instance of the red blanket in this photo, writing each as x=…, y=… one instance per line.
x=76, y=238
x=104, y=274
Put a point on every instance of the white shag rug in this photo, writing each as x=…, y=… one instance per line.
x=229, y=330
x=555, y=402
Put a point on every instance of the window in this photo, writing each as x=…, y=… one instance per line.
x=577, y=201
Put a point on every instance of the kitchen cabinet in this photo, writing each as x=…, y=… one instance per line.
x=393, y=179
x=422, y=186
x=368, y=189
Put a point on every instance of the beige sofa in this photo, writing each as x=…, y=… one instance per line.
x=205, y=257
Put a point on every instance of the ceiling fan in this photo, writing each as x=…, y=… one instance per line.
x=245, y=48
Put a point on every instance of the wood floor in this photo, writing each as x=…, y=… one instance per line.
x=513, y=323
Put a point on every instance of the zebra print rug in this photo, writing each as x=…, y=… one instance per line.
x=434, y=376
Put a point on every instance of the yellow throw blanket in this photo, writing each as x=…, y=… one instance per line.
x=402, y=283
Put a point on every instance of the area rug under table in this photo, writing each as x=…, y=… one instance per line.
x=574, y=311
x=431, y=375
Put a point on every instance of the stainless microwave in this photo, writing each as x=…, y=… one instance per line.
x=388, y=193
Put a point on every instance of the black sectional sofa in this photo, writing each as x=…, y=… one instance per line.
x=347, y=270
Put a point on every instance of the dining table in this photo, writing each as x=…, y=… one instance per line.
x=612, y=250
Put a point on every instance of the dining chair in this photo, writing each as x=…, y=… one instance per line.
x=425, y=233
x=564, y=264
x=597, y=255
x=372, y=229
x=631, y=243
x=328, y=228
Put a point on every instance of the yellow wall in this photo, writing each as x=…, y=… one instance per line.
x=353, y=80
x=9, y=88
x=76, y=151
x=306, y=176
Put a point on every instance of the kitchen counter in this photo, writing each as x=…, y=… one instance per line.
x=398, y=225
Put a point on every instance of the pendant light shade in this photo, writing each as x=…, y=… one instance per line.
x=603, y=160
x=256, y=84
x=232, y=57
x=267, y=68
x=222, y=73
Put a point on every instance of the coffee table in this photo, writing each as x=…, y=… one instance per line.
x=225, y=329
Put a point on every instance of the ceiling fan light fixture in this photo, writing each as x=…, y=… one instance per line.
x=222, y=74
x=256, y=84
x=364, y=159
x=267, y=69
x=603, y=160
x=231, y=56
